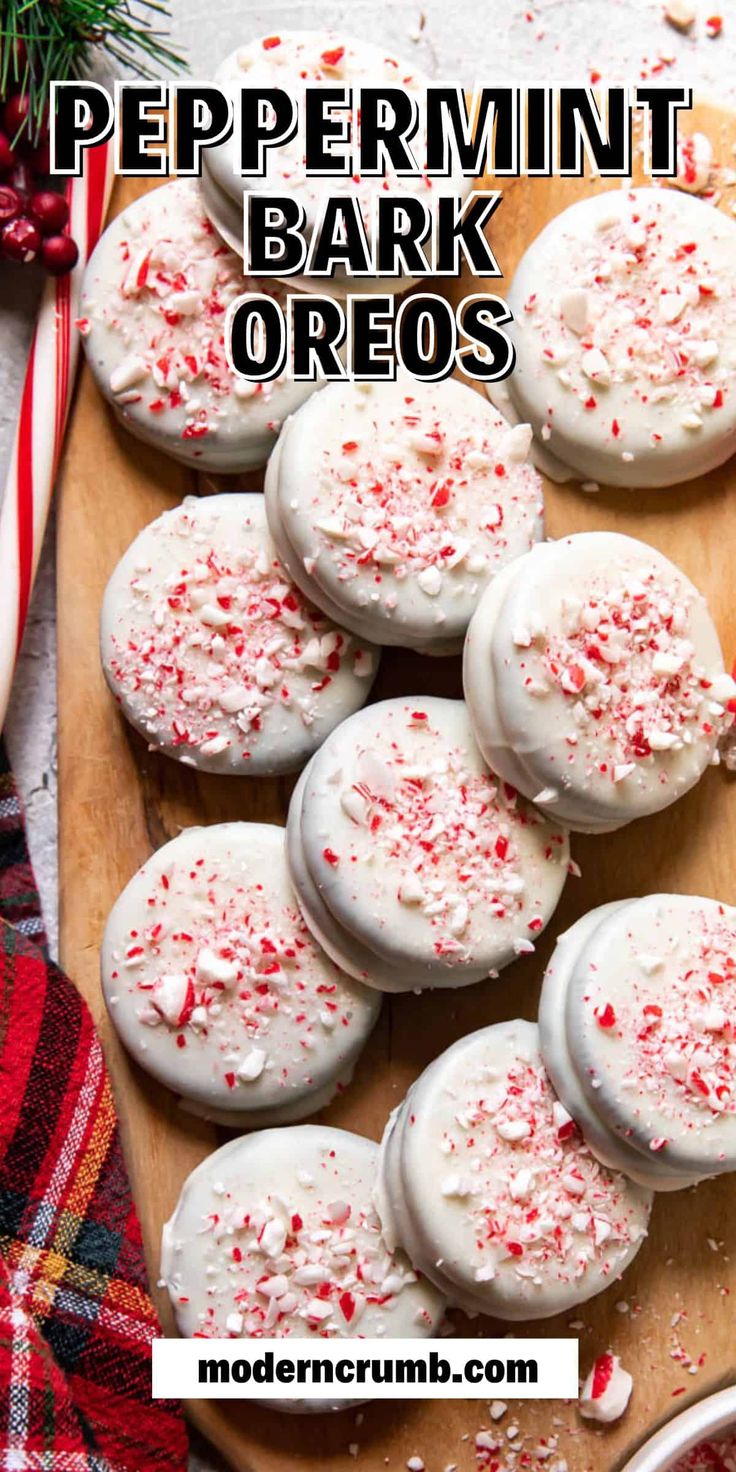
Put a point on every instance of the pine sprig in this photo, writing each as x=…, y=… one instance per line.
x=59, y=39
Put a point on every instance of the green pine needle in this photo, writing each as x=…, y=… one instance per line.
x=60, y=38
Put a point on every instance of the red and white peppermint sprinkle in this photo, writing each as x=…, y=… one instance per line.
x=672, y=1045
x=216, y=984
x=566, y=1214
x=214, y=653
x=626, y=315
x=402, y=500
x=718, y=1455
x=625, y=661
x=154, y=305
x=255, y=1251
x=293, y=60
x=452, y=849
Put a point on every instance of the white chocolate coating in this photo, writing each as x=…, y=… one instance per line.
x=152, y=317
x=648, y=1001
x=292, y=60
x=611, y=1148
x=211, y=651
x=216, y=987
x=625, y=333
x=344, y=949
x=594, y=679
x=414, y=866
x=491, y=1190
x=275, y=1234
x=394, y=504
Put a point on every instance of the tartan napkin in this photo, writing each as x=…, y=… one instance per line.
x=76, y=1321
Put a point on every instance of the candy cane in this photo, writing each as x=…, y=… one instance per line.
x=44, y=410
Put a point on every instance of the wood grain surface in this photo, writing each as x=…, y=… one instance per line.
x=119, y=802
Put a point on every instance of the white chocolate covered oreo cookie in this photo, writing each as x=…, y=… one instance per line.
x=636, y=1030
x=292, y=61
x=614, y=1151
x=154, y=300
x=413, y=864
x=276, y=1235
x=488, y=1186
x=217, y=988
x=394, y=504
x=595, y=681
x=212, y=652
x=625, y=334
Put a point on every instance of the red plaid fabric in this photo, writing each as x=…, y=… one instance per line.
x=76, y=1321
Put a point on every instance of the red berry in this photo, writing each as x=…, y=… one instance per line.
x=20, y=239
x=7, y=156
x=50, y=211
x=59, y=254
x=40, y=159
x=10, y=204
x=15, y=113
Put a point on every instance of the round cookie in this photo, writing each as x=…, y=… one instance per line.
x=625, y=334
x=216, y=987
x=394, y=504
x=644, y=995
x=211, y=651
x=491, y=1191
x=594, y=679
x=154, y=299
x=612, y=1149
x=293, y=60
x=414, y=866
x=276, y=1235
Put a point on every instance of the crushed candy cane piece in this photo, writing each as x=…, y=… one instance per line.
x=607, y=1390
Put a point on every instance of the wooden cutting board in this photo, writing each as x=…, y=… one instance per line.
x=118, y=802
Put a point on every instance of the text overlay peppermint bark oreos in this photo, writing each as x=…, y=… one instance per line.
x=381, y=198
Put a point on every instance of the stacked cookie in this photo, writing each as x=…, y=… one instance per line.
x=212, y=652
x=487, y=1184
x=595, y=681
x=636, y=1025
x=154, y=301
x=276, y=1235
x=293, y=60
x=217, y=989
x=393, y=506
x=158, y=285
x=243, y=967
x=625, y=334
x=414, y=865
x=518, y=1172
